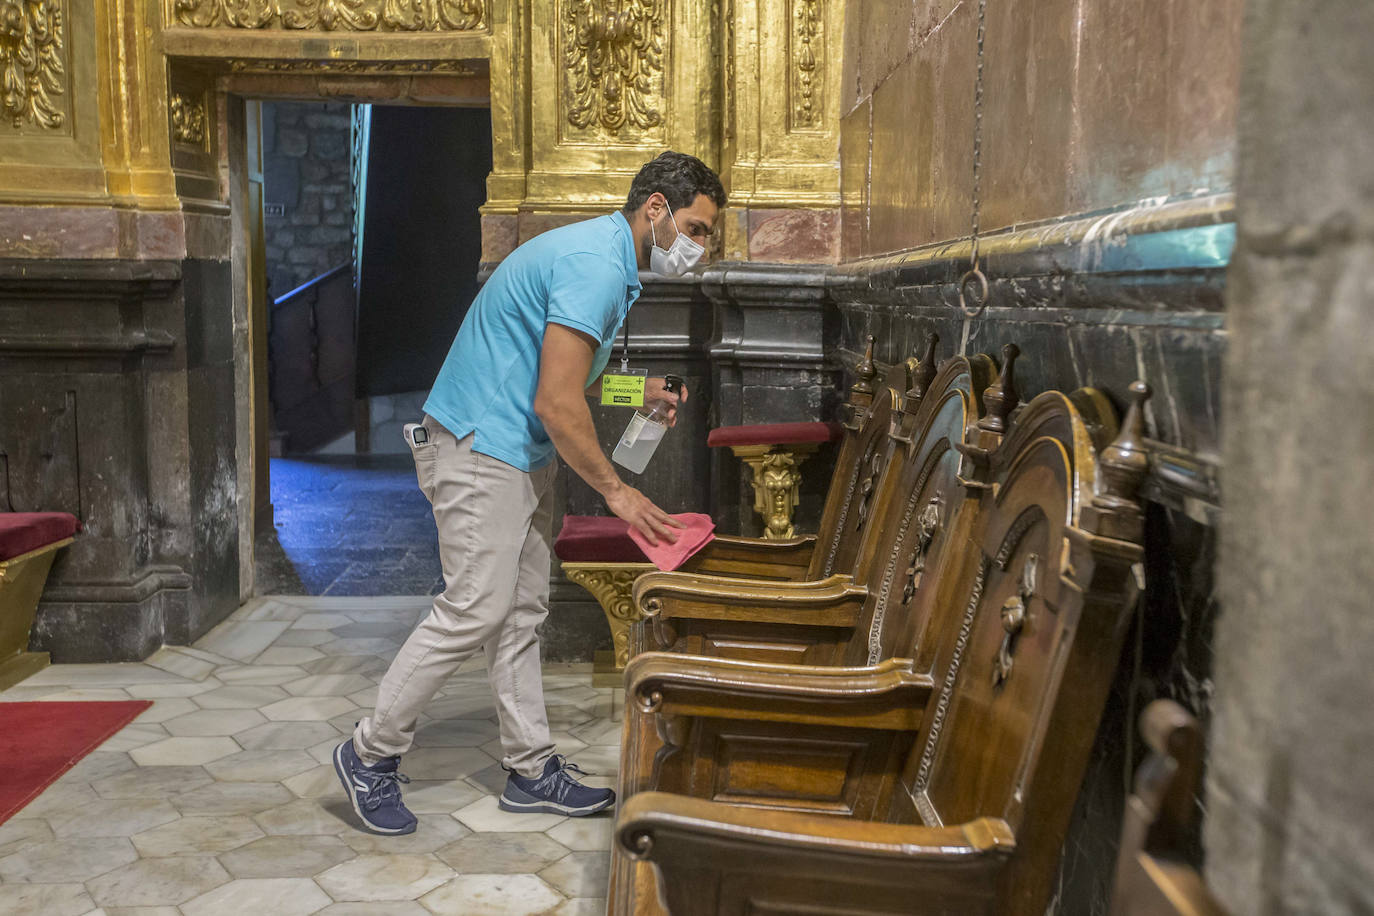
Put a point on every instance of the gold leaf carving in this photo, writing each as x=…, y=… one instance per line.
x=335, y=15
x=806, y=48
x=31, y=69
x=188, y=119
x=267, y=65
x=613, y=55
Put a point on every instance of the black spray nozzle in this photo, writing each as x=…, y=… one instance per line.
x=673, y=383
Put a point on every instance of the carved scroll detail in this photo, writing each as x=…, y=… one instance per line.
x=807, y=45
x=875, y=629
x=951, y=675
x=334, y=15
x=188, y=119
x=612, y=590
x=613, y=58
x=31, y=68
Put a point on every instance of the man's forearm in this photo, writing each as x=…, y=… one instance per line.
x=574, y=436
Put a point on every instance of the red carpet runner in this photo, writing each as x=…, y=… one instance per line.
x=41, y=741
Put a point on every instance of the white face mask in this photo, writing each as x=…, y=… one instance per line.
x=679, y=256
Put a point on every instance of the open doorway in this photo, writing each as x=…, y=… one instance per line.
x=370, y=241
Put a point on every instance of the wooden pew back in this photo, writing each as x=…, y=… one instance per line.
x=1023, y=663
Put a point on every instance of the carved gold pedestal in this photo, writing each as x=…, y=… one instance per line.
x=776, y=481
x=21, y=584
x=611, y=584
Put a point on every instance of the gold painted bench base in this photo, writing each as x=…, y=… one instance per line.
x=21, y=583
x=776, y=481
x=611, y=585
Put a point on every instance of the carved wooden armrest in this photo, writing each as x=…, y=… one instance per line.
x=835, y=601
x=777, y=857
x=754, y=557
x=887, y=696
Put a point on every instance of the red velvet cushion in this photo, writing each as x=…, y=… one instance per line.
x=596, y=539
x=21, y=532
x=774, y=434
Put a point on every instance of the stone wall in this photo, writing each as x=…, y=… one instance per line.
x=1107, y=151
x=1290, y=825
x=306, y=148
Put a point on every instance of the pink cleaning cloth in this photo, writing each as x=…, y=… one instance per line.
x=698, y=533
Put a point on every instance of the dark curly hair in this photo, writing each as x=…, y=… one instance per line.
x=679, y=178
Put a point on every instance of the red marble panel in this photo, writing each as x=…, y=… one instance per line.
x=794, y=236
x=59, y=232
x=499, y=234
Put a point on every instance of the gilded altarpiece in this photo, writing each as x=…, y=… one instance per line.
x=781, y=143
x=615, y=82
x=49, y=120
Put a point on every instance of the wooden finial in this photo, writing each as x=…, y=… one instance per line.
x=1001, y=397
x=925, y=372
x=1124, y=464
x=865, y=371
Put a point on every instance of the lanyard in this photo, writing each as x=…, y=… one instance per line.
x=625, y=344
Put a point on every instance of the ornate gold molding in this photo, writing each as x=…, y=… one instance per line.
x=613, y=58
x=266, y=65
x=334, y=15
x=612, y=585
x=807, y=46
x=31, y=68
x=188, y=119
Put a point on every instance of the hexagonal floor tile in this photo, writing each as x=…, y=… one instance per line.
x=223, y=798
x=286, y=857
x=206, y=723
x=157, y=882
x=191, y=836
x=435, y=831
x=260, y=766
x=456, y=733
x=438, y=796
x=395, y=877
x=483, y=816
x=444, y=763
x=307, y=709
x=493, y=895
x=581, y=874
x=327, y=685
x=67, y=860
x=45, y=899
x=113, y=817
x=282, y=736
x=22, y=833
x=239, y=697
x=309, y=816
x=585, y=834
x=278, y=896
x=503, y=853
x=184, y=751
x=152, y=782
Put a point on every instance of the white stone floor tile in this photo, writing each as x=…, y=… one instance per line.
x=493, y=895
x=45, y=900
x=278, y=896
x=286, y=857
x=222, y=797
x=384, y=877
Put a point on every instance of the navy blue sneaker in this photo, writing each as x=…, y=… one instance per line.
x=556, y=792
x=374, y=790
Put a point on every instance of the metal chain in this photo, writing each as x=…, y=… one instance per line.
x=975, y=273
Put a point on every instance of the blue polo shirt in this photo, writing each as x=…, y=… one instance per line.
x=584, y=276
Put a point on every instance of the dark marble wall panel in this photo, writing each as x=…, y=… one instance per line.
x=129, y=367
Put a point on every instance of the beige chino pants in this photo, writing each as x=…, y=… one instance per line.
x=494, y=525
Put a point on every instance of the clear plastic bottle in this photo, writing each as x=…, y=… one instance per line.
x=644, y=432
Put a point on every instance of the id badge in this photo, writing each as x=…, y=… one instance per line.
x=624, y=388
